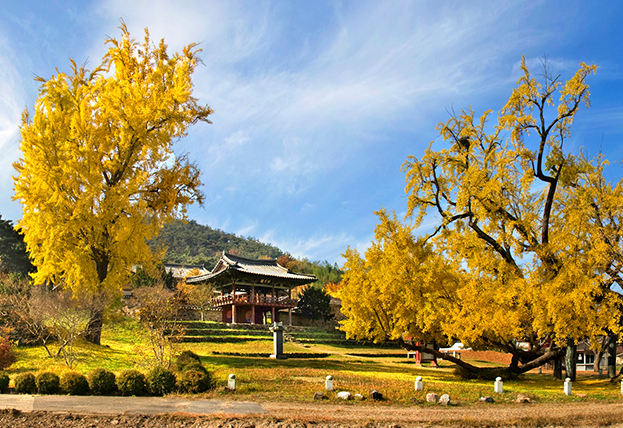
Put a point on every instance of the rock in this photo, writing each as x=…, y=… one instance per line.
x=318, y=396
x=444, y=399
x=415, y=400
x=523, y=399
x=487, y=399
x=359, y=397
x=431, y=397
x=375, y=395
x=344, y=395
x=581, y=395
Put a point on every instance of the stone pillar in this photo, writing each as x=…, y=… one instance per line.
x=328, y=383
x=419, y=385
x=498, y=386
x=277, y=330
x=231, y=382
x=567, y=387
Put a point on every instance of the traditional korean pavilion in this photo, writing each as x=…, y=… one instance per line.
x=252, y=291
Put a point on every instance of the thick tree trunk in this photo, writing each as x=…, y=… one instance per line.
x=93, y=331
x=557, y=364
x=571, y=359
x=612, y=357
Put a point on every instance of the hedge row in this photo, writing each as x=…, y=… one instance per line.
x=191, y=377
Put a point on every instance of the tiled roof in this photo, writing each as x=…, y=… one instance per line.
x=264, y=268
x=182, y=271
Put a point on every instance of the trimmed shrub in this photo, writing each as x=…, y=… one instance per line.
x=47, y=383
x=25, y=383
x=4, y=382
x=74, y=384
x=196, y=366
x=185, y=358
x=196, y=381
x=102, y=382
x=7, y=355
x=160, y=381
x=131, y=382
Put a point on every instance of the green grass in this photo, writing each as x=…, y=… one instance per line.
x=125, y=345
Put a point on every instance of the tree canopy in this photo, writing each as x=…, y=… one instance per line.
x=98, y=175
x=528, y=241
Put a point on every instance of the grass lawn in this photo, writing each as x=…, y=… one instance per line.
x=125, y=345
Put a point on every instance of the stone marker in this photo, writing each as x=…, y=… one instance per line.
x=344, y=395
x=419, y=385
x=567, y=387
x=318, y=395
x=375, y=395
x=487, y=399
x=444, y=399
x=277, y=330
x=498, y=386
x=523, y=399
x=328, y=383
x=431, y=397
x=231, y=382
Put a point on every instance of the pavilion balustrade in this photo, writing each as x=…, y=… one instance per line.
x=262, y=300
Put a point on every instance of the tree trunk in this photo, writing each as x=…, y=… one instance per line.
x=557, y=364
x=488, y=372
x=93, y=331
x=612, y=357
x=571, y=359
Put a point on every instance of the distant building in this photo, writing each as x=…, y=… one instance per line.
x=252, y=291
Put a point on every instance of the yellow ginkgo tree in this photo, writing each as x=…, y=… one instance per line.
x=527, y=248
x=98, y=175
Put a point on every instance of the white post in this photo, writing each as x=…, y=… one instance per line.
x=328, y=384
x=499, y=385
x=567, y=386
x=622, y=386
x=419, y=385
x=231, y=382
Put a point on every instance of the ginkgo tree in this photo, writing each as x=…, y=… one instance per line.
x=98, y=175
x=528, y=243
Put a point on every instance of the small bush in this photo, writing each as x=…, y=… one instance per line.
x=131, y=382
x=25, y=383
x=160, y=381
x=185, y=358
x=47, y=383
x=196, y=381
x=102, y=382
x=74, y=383
x=7, y=355
x=196, y=366
x=4, y=382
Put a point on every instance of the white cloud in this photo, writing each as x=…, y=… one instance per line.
x=12, y=100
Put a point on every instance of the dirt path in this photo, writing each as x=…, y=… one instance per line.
x=328, y=415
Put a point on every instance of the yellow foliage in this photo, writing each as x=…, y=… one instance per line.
x=98, y=175
x=528, y=243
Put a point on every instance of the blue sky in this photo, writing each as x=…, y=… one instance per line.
x=317, y=104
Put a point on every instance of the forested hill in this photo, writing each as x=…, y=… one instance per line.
x=193, y=243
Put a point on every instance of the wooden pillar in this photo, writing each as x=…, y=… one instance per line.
x=233, y=303
x=274, y=319
x=253, y=304
x=290, y=316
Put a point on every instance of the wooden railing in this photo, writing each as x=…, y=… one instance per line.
x=282, y=301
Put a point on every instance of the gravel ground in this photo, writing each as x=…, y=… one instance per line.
x=285, y=415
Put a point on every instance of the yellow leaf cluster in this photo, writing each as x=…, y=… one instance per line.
x=98, y=175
